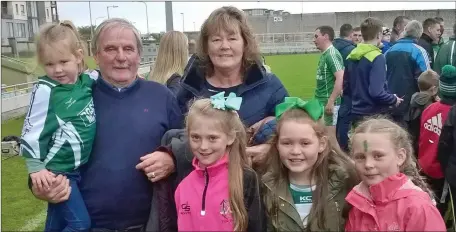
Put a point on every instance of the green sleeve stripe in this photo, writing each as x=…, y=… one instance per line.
x=337, y=64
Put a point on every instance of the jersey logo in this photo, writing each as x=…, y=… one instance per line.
x=87, y=114
x=70, y=102
x=434, y=124
x=225, y=208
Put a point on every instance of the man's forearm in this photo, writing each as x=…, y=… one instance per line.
x=336, y=91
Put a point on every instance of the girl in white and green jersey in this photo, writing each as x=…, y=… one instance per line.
x=59, y=127
x=308, y=178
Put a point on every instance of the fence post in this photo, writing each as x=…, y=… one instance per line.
x=13, y=43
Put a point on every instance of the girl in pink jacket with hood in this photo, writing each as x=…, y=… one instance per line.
x=392, y=196
x=222, y=192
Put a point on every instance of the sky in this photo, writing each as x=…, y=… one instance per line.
x=194, y=13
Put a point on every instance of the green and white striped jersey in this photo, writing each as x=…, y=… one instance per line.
x=330, y=62
x=59, y=127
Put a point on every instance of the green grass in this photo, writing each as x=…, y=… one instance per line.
x=19, y=206
x=297, y=72
x=12, y=127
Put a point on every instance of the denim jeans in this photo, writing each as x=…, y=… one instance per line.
x=343, y=126
x=70, y=215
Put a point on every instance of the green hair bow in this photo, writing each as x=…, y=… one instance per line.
x=312, y=107
x=219, y=101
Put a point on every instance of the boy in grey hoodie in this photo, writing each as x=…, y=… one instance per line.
x=428, y=83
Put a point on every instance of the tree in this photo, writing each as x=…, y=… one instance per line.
x=157, y=36
x=85, y=33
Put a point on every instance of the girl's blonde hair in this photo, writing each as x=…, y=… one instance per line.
x=400, y=138
x=65, y=32
x=230, y=123
x=228, y=18
x=172, y=56
x=329, y=161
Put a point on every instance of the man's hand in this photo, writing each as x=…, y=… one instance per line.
x=42, y=179
x=58, y=192
x=398, y=100
x=329, y=108
x=258, y=153
x=156, y=165
x=257, y=125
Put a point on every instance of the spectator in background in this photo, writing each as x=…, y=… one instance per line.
x=447, y=53
x=405, y=61
x=357, y=37
x=365, y=76
x=344, y=45
x=437, y=45
x=171, y=60
x=398, y=27
x=191, y=47
x=431, y=34
x=330, y=73
x=386, y=37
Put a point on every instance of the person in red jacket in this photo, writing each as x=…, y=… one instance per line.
x=432, y=119
x=392, y=195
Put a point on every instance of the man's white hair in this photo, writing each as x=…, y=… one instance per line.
x=413, y=29
x=112, y=23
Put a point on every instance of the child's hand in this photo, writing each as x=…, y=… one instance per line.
x=43, y=179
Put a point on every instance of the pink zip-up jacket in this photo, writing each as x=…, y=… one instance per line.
x=395, y=204
x=202, y=200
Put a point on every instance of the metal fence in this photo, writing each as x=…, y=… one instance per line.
x=282, y=43
x=25, y=88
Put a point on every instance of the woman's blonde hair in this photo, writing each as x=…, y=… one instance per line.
x=230, y=123
x=229, y=19
x=65, y=32
x=172, y=56
x=400, y=138
x=329, y=161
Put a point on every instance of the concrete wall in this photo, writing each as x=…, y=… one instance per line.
x=308, y=22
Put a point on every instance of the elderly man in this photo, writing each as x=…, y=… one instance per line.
x=132, y=115
x=405, y=61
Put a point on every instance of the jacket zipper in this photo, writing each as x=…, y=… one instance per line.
x=338, y=216
x=203, y=207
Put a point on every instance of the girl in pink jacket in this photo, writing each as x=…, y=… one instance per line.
x=392, y=196
x=222, y=192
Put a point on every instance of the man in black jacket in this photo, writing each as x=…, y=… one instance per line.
x=431, y=34
x=344, y=45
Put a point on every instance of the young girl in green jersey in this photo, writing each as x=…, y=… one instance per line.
x=59, y=127
x=307, y=180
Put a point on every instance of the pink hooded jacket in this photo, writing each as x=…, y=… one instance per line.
x=202, y=200
x=395, y=204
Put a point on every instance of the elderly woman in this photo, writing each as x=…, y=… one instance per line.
x=228, y=60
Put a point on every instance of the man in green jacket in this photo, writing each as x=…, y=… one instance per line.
x=447, y=53
x=437, y=45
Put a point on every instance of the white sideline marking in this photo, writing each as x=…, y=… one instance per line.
x=35, y=222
